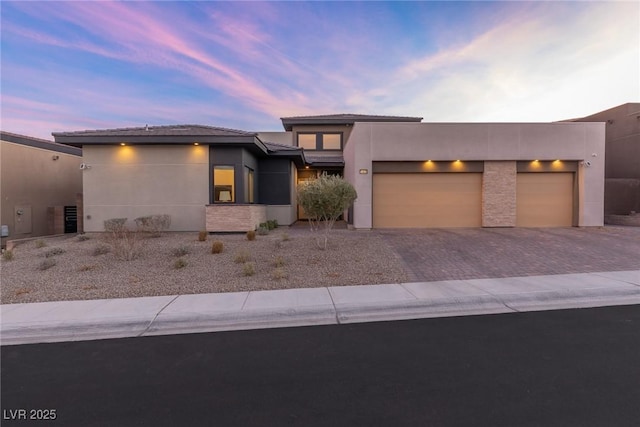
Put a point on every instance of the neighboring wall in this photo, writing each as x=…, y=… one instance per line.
x=480, y=142
x=35, y=174
x=134, y=181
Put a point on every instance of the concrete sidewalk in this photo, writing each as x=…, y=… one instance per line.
x=164, y=315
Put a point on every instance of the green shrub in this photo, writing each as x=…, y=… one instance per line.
x=279, y=274
x=202, y=236
x=262, y=231
x=7, y=255
x=271, y=224
x=181, y=251
x=249, y=268
x=180, y=263
x=153, y=224
x=101, y=249
x=217, y=247
x=47, y=264
x=242, y=256
x=251, y=235
x=53, y=252
x=40, y=243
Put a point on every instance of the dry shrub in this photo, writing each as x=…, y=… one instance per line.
x=181, y=251
x=127, y=245
x=217, y=247
x=153, y=224
x=279, y=261
x=249, y=268
x=40, y=243
x=180, y=263
x=279, y=274
x=53, y=252
x=242, y=256
x=47, y=264
x=7, y=255
x=251, y=235
x=202, y=236
x=101, y=249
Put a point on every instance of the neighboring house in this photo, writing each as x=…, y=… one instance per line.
x=407, y=173
x=622, y=157
x=41, y=184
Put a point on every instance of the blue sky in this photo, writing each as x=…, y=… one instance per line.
x=92, y=65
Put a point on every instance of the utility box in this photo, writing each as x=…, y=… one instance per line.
x=4, y=231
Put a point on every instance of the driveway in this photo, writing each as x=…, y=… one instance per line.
x=477, y=253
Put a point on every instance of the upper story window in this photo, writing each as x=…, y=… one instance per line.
x=320, y=141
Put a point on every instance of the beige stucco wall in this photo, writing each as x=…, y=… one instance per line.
x=478, y=141
x=134, y=181
x=30, y=177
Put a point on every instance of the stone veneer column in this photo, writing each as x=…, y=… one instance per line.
x=499, y=194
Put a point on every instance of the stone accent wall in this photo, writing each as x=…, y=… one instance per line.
x=499, y=194
x=234, y=217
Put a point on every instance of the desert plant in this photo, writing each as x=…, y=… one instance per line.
x=7, y=255
x=40, y=243
x=115, y=225
x=100, y=249
x=249, y=268
x=251, y=235
x=202, y=236
x=262, y=231
x=324, y=200
x=217, y=247
x=126, y=244
x=285, y=236
x=153, y=224
x=87, y=267
x=279, y=274
x=181, y=251
x=180, y=263
x=272, y=224
x=47, y=264
x=279, y=261
x=83, y=237
x=53, y=252
x=242, y=256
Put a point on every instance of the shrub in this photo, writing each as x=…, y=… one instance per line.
x=87, y=267
x=100, y=249
x=153, y=224
x=262, y=231
x=242, y=256
x=40, y=243
x=83, y=237
x=47, y=264
x=217, y=247
x=285, y=236
x=271, y=224
x=249, y=269
x=279, y=274
x=180, y=263
x=7, y=255
x=115, y=225
x=180, y=251
x=251, y=235
x=279, y=261
x=202, y=236
x=127, y=245
x=324, y=200
x=53, y=252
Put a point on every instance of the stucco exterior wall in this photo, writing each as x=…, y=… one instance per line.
x=36, y=178
x=479, y=142
x=133, y=181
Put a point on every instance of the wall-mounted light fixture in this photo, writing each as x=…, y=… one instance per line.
x=55, y=157
x=122, y=144
x=364, y=171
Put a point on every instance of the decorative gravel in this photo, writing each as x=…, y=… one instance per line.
x=285, y=258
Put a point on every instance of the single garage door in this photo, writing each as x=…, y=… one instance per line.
x=422, y=200
x=544, y=199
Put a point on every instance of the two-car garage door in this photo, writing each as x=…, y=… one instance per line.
x=424, y=200
x=433, y=200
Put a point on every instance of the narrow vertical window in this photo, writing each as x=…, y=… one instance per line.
x=223, y=184
x=248, y=186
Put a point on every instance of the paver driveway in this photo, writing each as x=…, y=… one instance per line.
x=476, y=253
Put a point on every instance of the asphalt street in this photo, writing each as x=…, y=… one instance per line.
x=554, y=368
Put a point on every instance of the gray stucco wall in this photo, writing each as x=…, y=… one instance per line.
x=371, y=142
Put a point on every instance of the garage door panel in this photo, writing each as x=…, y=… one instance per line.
x=427, y=200
x=544, y=199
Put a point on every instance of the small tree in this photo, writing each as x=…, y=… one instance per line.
x=324, y=200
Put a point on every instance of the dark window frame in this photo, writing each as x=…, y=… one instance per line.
x=319, y=142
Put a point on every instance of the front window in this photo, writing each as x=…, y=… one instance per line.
x=223, y=184
x=320, y=141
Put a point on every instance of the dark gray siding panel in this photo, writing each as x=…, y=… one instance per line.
x=274, y=181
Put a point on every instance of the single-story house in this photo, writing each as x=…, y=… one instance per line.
x=40, y=185
x=407, y=173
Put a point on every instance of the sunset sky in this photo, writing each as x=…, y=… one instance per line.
x=92, y=65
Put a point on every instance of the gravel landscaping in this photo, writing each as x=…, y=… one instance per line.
x=85, y=267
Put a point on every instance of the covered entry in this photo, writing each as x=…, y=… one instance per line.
x=422, y=200
x=545, y=199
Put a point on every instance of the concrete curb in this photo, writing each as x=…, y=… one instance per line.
x=150, y=316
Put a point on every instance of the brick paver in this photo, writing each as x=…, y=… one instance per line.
x=476, y=253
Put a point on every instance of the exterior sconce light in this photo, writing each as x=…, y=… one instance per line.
x=364, y=171
x=55, y=157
